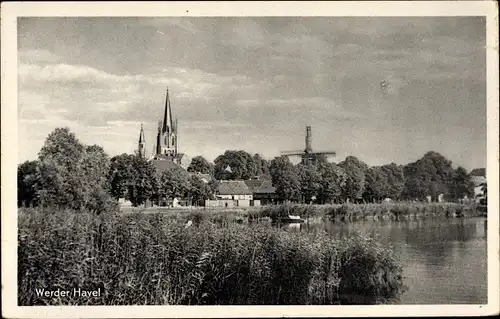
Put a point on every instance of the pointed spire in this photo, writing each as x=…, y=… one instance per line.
x=141, y=135
x=167, y=118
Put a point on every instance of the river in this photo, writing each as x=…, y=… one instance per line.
x=444, y=261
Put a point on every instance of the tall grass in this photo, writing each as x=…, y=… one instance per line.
x=353, y=212
x=152, y=259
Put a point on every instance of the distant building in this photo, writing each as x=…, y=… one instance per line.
x=227, y=173
x=163, y=165
x=262, y=189
x=478, y=177
x=235, y=190
x=232, y=194
x=167, y=142
x=478, y=172
x=141, y=148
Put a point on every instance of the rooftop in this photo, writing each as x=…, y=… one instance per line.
x=266, y=188
x=478, y=172
x=253, y=184
x=260, y=186
x=234, y=188
x=163, y=165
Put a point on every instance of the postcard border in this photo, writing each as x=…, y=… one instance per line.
x=10, y=11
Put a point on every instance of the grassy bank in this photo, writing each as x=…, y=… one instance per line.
x=353, y=212
x=152, y=259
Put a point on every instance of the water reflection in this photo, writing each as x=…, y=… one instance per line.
x=444, y=260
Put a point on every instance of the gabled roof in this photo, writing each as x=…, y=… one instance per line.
x=163, y=165
x=260, y=186
x=265, y=188
x=253, y=184
x=478, y=172
x=233, y=188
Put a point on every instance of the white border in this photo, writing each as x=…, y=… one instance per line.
x=10, y=11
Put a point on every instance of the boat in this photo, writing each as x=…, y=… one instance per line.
x=292, y=219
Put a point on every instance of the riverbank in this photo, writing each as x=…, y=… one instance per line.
x=354, y=212
x=155, y=259
x=344, y=213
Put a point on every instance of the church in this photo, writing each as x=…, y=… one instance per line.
x=165, y=153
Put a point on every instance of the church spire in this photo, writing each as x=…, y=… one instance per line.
x=141, y=135
x=166, y=140
x=167, y=117
x=141, y=151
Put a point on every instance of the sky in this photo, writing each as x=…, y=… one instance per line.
x=379, y=88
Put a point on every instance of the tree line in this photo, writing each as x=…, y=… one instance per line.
x=70, y=174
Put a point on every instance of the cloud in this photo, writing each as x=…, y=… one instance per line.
x=92, y=97
x=31, y=56
x=273, y=74
x=159, y=23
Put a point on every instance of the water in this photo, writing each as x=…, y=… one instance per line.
x=444, y=261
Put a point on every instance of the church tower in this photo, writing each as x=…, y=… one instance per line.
x=141, y=149
x=166, y=140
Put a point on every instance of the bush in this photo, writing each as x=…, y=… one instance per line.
x=152, y=259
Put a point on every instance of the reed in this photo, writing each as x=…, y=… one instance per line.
x=153, y=259
x=354, y=212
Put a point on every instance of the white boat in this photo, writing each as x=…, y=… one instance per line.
x=292, y=219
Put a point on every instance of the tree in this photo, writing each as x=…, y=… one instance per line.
x=395, y=180
x=120, y=174
x=173, y=183
x=241, y=163
x=62, y=146
x=385, y=181
x=261, y=165
x=333, y=183
x=310, y=182
x=431, y=175
x=143, y=185
x=321, y=158
x=26, y=183
x=461, y=184
x=285, y=179
x=213, y=185
x=200, y=165
x=59, y=173
x=355, y=177
x=199, y=190
x=95, y=167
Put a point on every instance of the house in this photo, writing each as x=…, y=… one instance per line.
x=478, y=177
x=235, y=190
x=262, y=190
x=231, y=194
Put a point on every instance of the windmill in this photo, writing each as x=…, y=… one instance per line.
x=308, y=156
